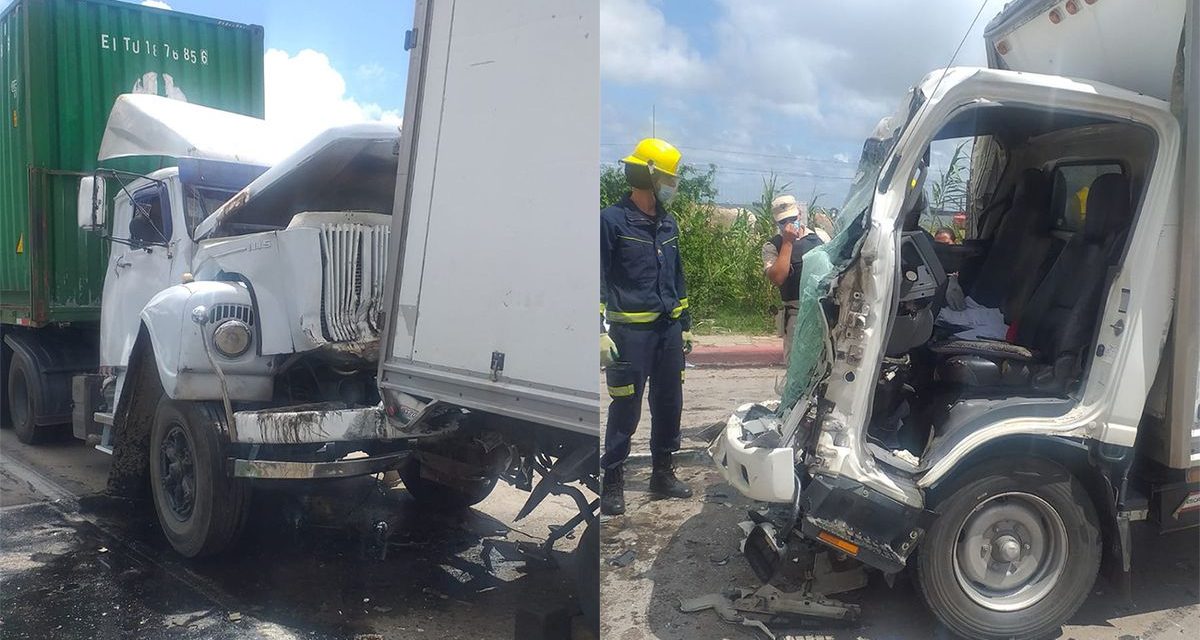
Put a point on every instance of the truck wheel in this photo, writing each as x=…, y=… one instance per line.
x=22, y=400
x=201, y=509
x=435, y=495
x=587, y=575
x=1014, y=553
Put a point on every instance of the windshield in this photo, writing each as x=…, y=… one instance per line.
x=807, y=357
x=201, y=201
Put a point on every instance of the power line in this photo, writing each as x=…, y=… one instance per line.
x=763, y=171
x=736, y=151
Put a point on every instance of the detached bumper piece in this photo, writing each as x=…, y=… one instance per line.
x=860, y=522
x=783, y=611
x=759, y=472
x=344, y=468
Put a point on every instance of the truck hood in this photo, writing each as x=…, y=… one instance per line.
x=349, y=168
x=149, y=125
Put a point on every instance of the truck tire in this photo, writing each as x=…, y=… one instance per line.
x=587, y=575
x=1014, y=552
x=437, y=496
x=23, y=387
x=200, y=508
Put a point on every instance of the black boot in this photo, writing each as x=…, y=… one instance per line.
x=612, y=493
x=663, y=482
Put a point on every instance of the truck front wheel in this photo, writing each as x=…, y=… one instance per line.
x=1014, y=552
x=200, y=508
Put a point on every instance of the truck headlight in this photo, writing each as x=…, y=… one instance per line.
x=231, y=338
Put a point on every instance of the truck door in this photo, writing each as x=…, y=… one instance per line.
x=139, y=266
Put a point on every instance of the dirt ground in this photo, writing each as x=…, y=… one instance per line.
x=689, y=548
x=76, y=564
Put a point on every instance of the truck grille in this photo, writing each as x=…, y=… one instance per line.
x=242, y=312
x=355, y=263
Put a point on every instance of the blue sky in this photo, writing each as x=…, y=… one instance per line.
x=326, y=62
x=760, y=85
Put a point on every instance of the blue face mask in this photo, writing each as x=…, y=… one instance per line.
x=664, y=194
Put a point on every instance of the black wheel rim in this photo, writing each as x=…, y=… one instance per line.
x=20, y=399
x=178, y=472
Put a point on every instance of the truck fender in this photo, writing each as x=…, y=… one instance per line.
x=1101, y=468
x=178, y=343
x=56, y=354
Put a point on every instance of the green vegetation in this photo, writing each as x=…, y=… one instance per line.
x=949, y=191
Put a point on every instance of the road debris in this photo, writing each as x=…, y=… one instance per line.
x=623, y=560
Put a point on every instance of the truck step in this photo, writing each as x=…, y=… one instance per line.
x=1136, y=504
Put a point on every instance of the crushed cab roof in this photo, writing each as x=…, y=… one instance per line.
x=149, y=125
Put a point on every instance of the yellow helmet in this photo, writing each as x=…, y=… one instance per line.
x=657, y=154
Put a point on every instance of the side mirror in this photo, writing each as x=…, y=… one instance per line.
x=91, y=203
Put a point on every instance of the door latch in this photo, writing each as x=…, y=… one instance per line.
x=1118, y=327
x=497, y=365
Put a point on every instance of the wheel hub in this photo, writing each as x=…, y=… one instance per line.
x=1011, y=550
x=178, y=472
x=1006, y=549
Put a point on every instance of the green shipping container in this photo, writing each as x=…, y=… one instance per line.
x=62, y=65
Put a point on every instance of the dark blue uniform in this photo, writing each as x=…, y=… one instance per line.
x=644, y=297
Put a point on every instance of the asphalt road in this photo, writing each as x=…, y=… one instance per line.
x=77, y=564
x=688, y=548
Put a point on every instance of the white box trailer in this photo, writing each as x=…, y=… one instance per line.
x=495, y=269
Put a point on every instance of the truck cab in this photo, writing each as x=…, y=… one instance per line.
x=1001, y=437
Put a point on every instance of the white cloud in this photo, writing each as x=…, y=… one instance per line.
x=637, y=46
x=771, y=79
x=157, y=4
x=305, y=95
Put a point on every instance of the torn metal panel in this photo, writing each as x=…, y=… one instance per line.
x=881, y=531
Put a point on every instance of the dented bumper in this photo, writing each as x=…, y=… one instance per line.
x=314, y=424
x=291, y=470
x=761, y=473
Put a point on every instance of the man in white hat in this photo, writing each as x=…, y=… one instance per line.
x=782, y=256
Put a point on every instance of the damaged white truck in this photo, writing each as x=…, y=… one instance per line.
x=376, y=300
x=1004, y=464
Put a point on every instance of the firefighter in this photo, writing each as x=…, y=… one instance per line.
x=644, y=300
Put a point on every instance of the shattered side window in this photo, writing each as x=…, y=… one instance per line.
x=809, y=338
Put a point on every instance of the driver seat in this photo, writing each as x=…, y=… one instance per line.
x=1056, y=325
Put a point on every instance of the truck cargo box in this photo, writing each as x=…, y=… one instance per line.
x=494, y=304
x=62, y=64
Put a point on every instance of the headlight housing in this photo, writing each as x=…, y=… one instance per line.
x=232, y=338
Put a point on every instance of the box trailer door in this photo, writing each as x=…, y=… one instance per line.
x=494, y=281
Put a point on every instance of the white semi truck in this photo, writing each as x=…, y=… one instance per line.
x=376, y=300
x=1004, y=463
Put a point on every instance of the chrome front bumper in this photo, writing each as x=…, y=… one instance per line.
x=344, y=468
x=759, y=473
